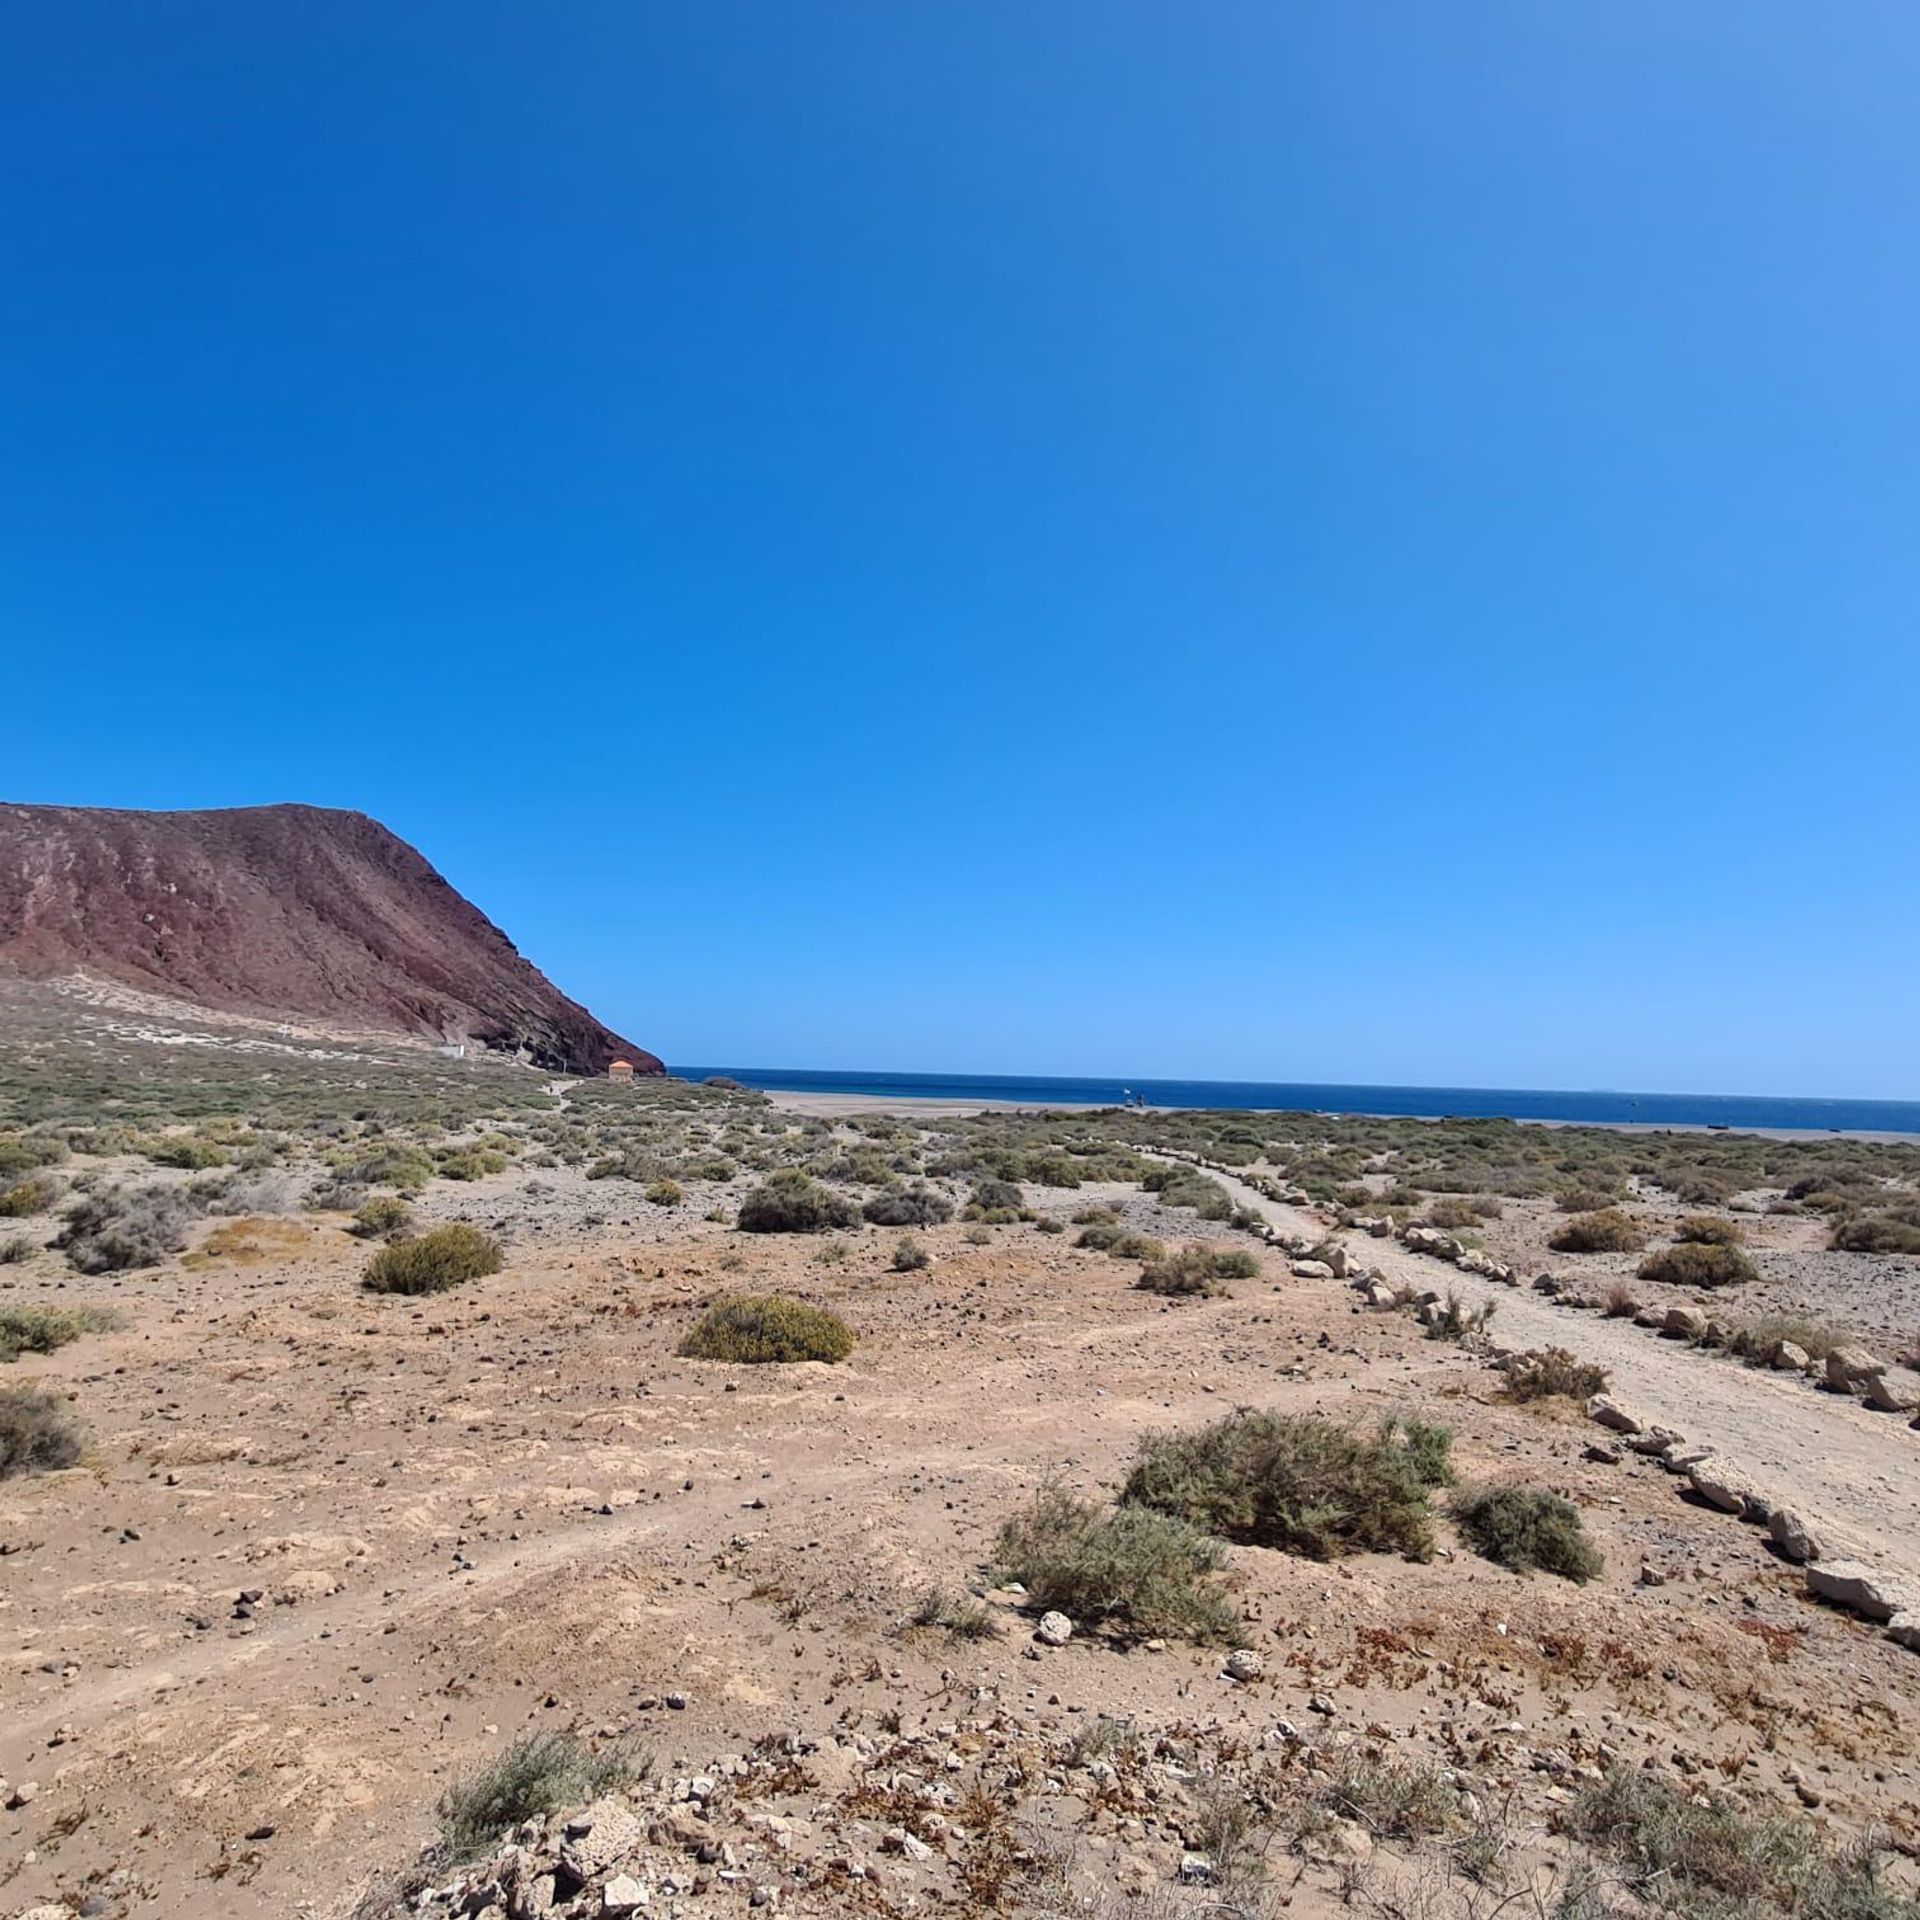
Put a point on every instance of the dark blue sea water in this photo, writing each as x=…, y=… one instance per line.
x=1512, y=1103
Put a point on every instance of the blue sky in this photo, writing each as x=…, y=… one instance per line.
x=1362, y=542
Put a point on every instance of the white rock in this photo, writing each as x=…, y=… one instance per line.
x=1243, y=1663
x=1905, y=1629
x=1054, y=1630
x=1850, y=1368
x=622, y=1895
x=1610, y=1413
x=1792, y=1535
x=1847, y=1583
x=1728, y=1487
x=1311, y=1270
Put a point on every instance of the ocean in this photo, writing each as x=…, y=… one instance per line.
x=1511, y=1103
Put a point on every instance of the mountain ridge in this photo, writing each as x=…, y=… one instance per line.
x=286, y=908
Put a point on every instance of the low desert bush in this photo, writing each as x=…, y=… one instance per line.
x=540, y=1774
x=1696, y=1264
x=16, y=1249
x=1585, y=1200
x=1694, y=1852
x=790, y=1202
x=1463, y=1210
x=1197, y=1271
x=433, y=1261
x=41, y=1329
x=1608, y=1231
x=997, y=1202
x=29, y=1152
x=1620, y=1302
x=909, y=1256
x=1109, y=1236
x=955, y=1615
x=187, y=1152
x=1301, y=1483
x=978, y=1236
x=754, y=1328
x=1709, y=1230
x=1131, y=1568
x=1894, y=1232
x=38, y=1432
x=1522, y=1528
x=918, y=1205
x=27, y=1197
x=665, y=1193
x=1552, y=1373
x=1457, y=1319
x=125, y=1228
x=1757, y=1339
x=382, y=1216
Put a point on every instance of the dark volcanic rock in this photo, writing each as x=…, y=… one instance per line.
x=289, y=910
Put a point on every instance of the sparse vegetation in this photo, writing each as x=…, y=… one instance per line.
x=909, y=1256
x=1552, y=1373
x=665, y=1193
x=955, y=1615
x=1694, y=1263
x=36, y=1329
x=1608, y=1231
x=1709, y=1230
x=16, y=1248
x=540, y=1774
x=1198, y=1271
x=38, y=1432
x=918, y=1205
x=750, y=1329
x=1463, y=1211
x=1298, y=1482
x=126, y=1228
x=1522, y=1529
x=433, y=1261
x=27, y=1197
x=790, y=1202
x=1895, y=1231
x=1109, y=1236
x=1130, y=1568
x=382, y=1216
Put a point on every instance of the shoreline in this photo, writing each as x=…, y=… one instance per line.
x=833, y=1105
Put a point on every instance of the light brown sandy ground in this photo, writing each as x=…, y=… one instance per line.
x=513, y=1507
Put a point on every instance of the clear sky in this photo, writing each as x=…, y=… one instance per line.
x=1356, y=542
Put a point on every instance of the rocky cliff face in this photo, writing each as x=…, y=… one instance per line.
x=299, y=911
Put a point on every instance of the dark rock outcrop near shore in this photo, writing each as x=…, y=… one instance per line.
x=299, y=912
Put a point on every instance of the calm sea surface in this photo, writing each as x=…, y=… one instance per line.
x=1512, y=1103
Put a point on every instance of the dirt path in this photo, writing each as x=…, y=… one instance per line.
x=1854, y=1473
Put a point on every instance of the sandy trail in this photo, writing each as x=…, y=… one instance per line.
x=1853, y=1472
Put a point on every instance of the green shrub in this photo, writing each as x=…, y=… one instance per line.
x=42, y=1329
x=1694, y=1852
x=193, y=1155
x=1521, y=1529
x=1301, y=1483
x=433, y=1261
x=1463, y=1211
x=1139, y=1571
x=750, y=1329
x=916, y=1206
x=1608, y=1231
x=1895, y=1232
x=540, y=1774
x=1694, y=1264
x=665, y=1193
x=909, y=1256
x=29, y=1152
x=978, y=1236
x=38, y=1432
x=1108, y=1236
x=122, y=1229
x=382, y=1216
x=1197, y=1271
x=1709, y=1230
x=468, y=1163
x=27, y=1197
x=789, y=1202
x=1550, y=1373
x=1585, y=1200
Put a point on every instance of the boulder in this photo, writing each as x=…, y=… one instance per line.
x=1054, y=1630
x=1311, y=1270
x=621, y=1896
x=1727, y=1486
x=1892, y=1393
x=1850, y=1368
x=1657, y=1441
x=1904, y=1628
x=1791, y=1534
x=1610, y=1413
x=1244, y=1663
x=1787, y=1358
x=1684, y=1323
x=1847, y=1583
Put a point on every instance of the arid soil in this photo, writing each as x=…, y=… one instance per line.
x=331, y=1550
